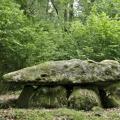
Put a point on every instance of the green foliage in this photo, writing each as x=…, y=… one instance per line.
x=24, y=42
x=14, y=36
x=51, y=43
x=110, y=7
x=103, y=37
x=98, y=39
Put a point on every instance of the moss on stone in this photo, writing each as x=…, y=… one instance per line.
x=68, y=71
x=49, y=97
x=113, y=95
x=24, y=98
x=84, y=99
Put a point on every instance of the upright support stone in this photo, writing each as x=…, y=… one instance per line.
x=24, y=98
x=83, y=99
x=49, y=97
x=113, y=95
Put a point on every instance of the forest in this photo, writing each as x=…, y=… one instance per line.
x=34, y=31
x=37, y=31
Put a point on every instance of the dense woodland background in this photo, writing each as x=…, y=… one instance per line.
x=34, y=31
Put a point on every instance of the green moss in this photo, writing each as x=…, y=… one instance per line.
x=84, y=99
x=66, y=71
x=57, y=114
x=49, y=97
x=113, y=95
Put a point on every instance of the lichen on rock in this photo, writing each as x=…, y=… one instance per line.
x=67, y=71
x=84, y=99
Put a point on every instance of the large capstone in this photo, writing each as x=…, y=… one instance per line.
x=84, y=99
x=73, y=71
x=49, y=97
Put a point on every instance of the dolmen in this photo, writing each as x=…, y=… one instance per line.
x=77, y=84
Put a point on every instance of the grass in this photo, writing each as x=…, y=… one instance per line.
x=58, y=114
x=11, y=113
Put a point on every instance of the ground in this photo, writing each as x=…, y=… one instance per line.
x=58, y=114
x=10, y=113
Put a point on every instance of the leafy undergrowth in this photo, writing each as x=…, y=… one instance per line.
x=58, y=114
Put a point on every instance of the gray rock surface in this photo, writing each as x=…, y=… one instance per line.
x=67, y=71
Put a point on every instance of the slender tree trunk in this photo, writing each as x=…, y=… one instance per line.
x=55, y=7
x=71, y=14
x=65, y=15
